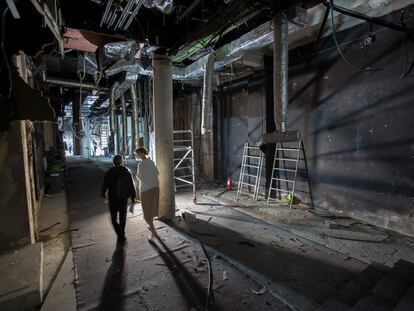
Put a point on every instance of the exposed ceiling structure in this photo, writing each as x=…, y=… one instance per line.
x=88, y=43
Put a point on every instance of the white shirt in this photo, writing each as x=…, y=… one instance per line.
x=147, y=173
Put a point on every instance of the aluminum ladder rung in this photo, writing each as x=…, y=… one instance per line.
x=183, y=159
x=284, y=169
x=288, y=149
x=282, y=190
x=184, y=176
x=182, y=132
x=286, y=159
x=247, y=184
x=252, y=176
x=252, y=157
x=253, y=166
x=281, y=179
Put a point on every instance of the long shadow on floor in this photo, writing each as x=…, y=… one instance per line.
x=112, y=297
x=313, y=278
x=192, y=291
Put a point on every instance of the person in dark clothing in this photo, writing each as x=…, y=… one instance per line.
x=117, y=187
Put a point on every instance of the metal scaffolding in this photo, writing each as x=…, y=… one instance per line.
x=184, y=169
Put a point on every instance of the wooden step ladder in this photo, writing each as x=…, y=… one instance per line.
x=250, y=171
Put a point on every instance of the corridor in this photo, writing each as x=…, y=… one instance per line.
x=171, y=275
x=275, y=150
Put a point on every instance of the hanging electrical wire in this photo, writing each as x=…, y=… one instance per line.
x=81, y=77
x=339, y=48
x=370, y=19
x=407, y=70
x=6, y=59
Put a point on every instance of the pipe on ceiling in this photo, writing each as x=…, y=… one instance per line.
x=207, y=100
x=112, y=108
x=135, y=128
x=280, y=70
x=124, y=127
x=72, y=83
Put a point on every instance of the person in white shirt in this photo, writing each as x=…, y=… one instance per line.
x=147, y=174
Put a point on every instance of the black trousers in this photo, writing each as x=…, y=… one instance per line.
x=118, y=207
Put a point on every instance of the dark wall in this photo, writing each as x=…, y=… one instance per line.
x=242, y=111
x=357, y=126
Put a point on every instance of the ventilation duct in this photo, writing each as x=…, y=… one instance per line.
x=112, y=117
x=207, y=102
x=164, y=6
x=280, y=71
x=280, y=82
x=124, y=127
x=135, y=127
x=262, y=35
x=121, y=59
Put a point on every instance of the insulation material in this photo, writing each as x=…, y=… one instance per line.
x=117, y=50
x=122, y=56
x=255, y=39
x=164, y=6
x=207, y=103
x=88, y=63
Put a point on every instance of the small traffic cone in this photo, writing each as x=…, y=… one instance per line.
x=229, y=184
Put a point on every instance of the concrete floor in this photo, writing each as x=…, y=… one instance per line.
x=292, y=271
x=54, y=233
x=171, y=274
x=350, y=236
x=298, y=267
x=21, y=278
x=62, y=294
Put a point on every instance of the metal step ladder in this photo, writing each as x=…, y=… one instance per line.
x=184, y=169
x=285, y=171
x=250, y=171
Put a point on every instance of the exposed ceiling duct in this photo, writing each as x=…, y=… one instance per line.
x=72, y=83
x=262, y=36
x=164, y=6
x=121, y=56
x=280, y=71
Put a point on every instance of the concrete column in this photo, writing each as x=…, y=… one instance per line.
x=77, y=126
x=207, y=119
x=163, y=128
x=86, y=139
x=124, y=127
x=134, y=119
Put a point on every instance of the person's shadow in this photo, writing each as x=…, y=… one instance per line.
x=112, y=297
x=189, y=286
